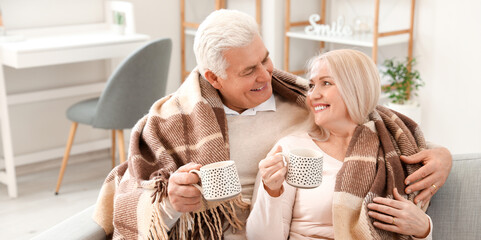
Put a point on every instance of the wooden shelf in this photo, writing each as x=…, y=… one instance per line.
x=354, y=40
x=190, y=32
x=374, y=40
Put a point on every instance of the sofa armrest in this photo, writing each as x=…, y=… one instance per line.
x=456, y=208
x=80, y=226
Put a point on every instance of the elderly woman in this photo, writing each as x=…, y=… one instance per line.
x=360, y=195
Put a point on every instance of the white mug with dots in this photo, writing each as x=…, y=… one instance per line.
x=219, y=180
x=304, y=167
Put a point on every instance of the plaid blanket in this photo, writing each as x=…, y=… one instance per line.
x=372, y=168
x=187, y=126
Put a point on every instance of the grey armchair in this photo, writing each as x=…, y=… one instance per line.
x=131, y=89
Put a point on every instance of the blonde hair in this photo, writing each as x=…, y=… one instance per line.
x=357, y=79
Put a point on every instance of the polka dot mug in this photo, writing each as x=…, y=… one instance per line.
x=304, y=167
x=219, y=180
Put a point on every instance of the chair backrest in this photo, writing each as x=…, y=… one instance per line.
x=134, y=86
x=456, y=208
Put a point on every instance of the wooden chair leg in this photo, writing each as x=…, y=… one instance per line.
x=113, y=148
x=120, y=136
x=71, y=136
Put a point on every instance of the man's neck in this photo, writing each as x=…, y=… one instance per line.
x=268, y=105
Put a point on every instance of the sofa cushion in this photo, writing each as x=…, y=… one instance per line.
x=456, y=208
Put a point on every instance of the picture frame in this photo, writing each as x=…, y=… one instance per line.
x=120, y=16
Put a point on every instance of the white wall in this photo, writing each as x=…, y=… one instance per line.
x=161, y=19
x=19, y=14
x=447, y=46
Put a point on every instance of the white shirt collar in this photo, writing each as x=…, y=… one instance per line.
x=268, y=105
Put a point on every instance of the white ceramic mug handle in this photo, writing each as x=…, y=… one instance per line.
x=285, y=158
x=195, y=184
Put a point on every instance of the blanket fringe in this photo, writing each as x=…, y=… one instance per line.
x=158, y=229
x=208, y=224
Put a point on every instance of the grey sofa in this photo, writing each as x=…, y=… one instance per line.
x=455, y=209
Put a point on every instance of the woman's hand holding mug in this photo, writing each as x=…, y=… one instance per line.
x=302, y=166
x=273, y=172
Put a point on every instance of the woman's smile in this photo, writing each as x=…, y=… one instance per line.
x=320, y=107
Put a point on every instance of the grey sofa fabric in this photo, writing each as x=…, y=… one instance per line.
x=79, y=226
x=455, y=209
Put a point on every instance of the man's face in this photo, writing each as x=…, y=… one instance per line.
x=249, y=74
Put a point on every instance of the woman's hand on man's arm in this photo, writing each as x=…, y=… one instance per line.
x=399, y=215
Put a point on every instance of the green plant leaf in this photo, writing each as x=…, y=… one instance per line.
x=403, y=79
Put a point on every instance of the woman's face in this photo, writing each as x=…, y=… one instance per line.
x=325, y=100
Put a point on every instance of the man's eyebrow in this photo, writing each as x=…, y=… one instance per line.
x=247, y=69
x=267, y=55
x=254, y=66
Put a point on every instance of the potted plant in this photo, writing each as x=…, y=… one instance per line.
x=119, y=22
x=404, y=82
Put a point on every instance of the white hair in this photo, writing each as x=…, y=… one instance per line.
x=222, y=30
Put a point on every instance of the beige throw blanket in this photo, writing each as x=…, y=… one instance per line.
x=188, y=126
x=372, y=168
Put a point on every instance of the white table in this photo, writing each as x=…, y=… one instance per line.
x=52, y=46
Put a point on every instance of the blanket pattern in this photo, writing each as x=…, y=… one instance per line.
x=187, y=126
x=372, y=168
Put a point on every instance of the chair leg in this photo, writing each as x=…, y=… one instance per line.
x=71, y=136
x=120, y=136
x=113, y=148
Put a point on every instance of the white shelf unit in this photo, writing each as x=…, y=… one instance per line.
x=189, y=28
x=374, y=40
x=355, y=40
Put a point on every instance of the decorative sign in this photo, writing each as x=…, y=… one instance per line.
x=337, y=28
x=362, y=25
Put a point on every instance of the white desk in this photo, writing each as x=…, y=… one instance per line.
x=51, y=46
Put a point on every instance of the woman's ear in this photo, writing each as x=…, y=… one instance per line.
x=212, y=79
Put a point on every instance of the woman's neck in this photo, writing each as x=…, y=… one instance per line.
x=341, y=132
x=341, y=140
x=338, y=142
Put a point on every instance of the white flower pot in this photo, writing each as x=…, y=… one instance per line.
x=411, y=109
x=118, y=29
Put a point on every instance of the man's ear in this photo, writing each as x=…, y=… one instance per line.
x=212, y=79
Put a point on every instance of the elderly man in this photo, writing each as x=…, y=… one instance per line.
x=234, y=105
